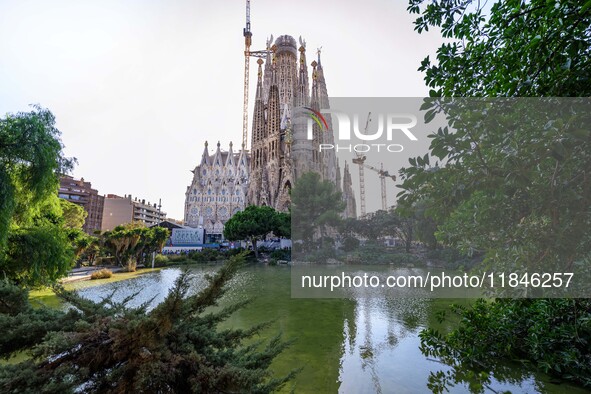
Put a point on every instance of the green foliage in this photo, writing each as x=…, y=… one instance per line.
x=37, y=256
x=34, y=247
x=518, y=48
x=280, y=254
x=316, y=207
x=350, y=244
x=31, y=160
x=108, y=347
x=73, y=215
x=555, y=334
x=206, y=255
x=283, y=225
x=254, y=223
x=86, y=247
x=161, y=260
x=514, y=184
x=397, y=223
x=132, y=243
x=103, y=273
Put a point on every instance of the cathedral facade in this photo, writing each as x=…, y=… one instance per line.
x=280, y=151
x=218, y=190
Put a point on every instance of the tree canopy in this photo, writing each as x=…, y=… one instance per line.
x=316, y=205
x=131, y=243
x=510, y=177
x=31, y=160
x=107, y=347
x=515, y=48
x=73, y=215
x=254, y=223
x=35, y=248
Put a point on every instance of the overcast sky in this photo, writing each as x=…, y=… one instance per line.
x=137, y=86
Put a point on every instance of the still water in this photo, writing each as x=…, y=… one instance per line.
x=364, y=345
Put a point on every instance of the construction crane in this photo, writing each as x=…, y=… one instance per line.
x=247, y=55
x=359, y=160
x=382, y=174
x=247, y=41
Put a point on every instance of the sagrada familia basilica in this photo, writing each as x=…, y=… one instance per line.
x=227, y=181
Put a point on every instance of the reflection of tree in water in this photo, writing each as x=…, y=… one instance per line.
x=367, y=350
x=402, y=317
x=478, y=377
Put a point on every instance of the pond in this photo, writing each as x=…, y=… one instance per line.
x=364, y=345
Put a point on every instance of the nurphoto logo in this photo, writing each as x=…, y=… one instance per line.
x=390, y=127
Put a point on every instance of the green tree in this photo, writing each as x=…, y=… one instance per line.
x=283, y=225
x=316, y=206
x=31, y=160
x=253, y=224
x=515, y=180
x=107, y=347
x=132, y=243
x=34, y=247
x=37, y=256
x=402, y=223
x=426, y=226
x=518, y=48
x=73, y=215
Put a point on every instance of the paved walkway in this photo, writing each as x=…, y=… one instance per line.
x=83, y=273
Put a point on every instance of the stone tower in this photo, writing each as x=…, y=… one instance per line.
x=280, y=150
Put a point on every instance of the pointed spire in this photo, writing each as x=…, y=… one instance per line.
x=259, y=92
x=258, y=120
x=302, y=93
x=205, y=156
x=217, y=156
x=273, y=109
x=230, y=158
x=318, y=52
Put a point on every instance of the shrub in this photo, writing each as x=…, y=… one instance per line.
x=281, y=254
x=101, y=274
x=553, y=334
x=205, y=255
x=160, y=260
x=177, y=258
x=350, y=244
x=98, y=348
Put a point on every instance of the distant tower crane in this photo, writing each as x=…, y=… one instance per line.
x=247, y=54
x=359, y=160
x=247, y=41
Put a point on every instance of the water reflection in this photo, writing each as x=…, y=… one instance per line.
x=362, y=345
x=381, y=354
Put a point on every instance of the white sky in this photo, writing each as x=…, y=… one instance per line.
x=137, y=86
